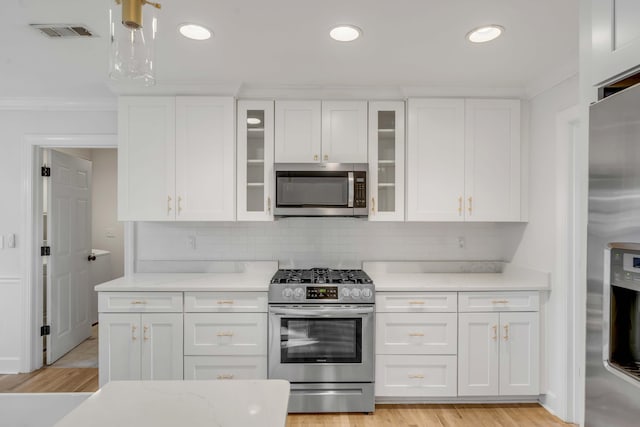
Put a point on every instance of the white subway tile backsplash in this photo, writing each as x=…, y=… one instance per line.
x=325, y=241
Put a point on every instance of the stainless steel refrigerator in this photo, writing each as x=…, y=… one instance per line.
x=613, y=263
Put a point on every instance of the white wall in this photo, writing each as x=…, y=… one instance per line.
x=107, y=232
x=538, y=247
x=15, y=125
x=326, y=241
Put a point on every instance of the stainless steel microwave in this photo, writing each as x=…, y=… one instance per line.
x=321, y=189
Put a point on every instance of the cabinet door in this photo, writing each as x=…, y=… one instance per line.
x=205, y=159
x=386, y=161
x=519, y=354
x=119, y=352
x=492, y=157
x=435, y=160
x=297, y=131
x=478, y=354
x=225, y=367
x=344, y=131
x=161, y=357
x=255, y=161
x=225, y=334
x=616, y=41
x=415, y=376
x=146, y=158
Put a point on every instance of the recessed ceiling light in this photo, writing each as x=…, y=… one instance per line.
x=253, y=121
x=485, y=34
x=345, y=33
x=194, y=32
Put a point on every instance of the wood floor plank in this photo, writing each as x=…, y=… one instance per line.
x=51, y=380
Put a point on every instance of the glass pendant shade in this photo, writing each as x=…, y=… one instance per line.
x=132, y=42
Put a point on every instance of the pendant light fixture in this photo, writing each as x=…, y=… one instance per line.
x=133, y=32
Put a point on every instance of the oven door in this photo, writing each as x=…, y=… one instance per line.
x=321, y=343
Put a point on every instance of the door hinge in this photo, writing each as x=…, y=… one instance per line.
x=46, y=170
x=45, y=250
x=45, y=330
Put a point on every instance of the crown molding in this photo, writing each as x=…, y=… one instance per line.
x=58, y=104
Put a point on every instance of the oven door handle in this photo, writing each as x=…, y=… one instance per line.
x=320, y=312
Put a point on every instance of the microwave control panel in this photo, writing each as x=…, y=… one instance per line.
x=360, y=189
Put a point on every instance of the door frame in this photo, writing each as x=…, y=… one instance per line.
x=32, y=290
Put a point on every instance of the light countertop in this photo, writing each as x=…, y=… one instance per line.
x=200, y=403
x=247, y=277
x=420, y=276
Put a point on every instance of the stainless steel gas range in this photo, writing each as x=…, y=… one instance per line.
x=321, y=338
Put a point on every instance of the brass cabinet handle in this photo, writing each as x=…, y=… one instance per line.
x=225, y=334
x=500, y=301
x=416, y=376
x=269, y=205
x=138, y=302
x=144, y=333
x=168, y=205
x=495, y=332
x=326, y=157
x=416, y=302
x=373, y=205
x=470, y=205
x=133, y=333
x=225, y=376
x=416, y=334
x=315, y=157
x=179, y=205
x=459, y=206
x=506, y=332
x=225, y=301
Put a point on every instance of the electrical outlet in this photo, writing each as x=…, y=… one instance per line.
x=110, y=233
x=191, y=242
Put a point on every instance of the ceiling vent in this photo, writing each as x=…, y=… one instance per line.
x=63, y=30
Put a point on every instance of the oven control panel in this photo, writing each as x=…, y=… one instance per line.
x=322, y=292
x=334, y=294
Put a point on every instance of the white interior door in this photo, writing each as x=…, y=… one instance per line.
x=69, y=236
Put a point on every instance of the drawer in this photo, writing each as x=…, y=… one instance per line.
x=416, y=333
x=499, y=301
x=416, y=376
x=441, y=302
x=225, y=302
x=225, y=367
x=225, y=334
x=140, y=302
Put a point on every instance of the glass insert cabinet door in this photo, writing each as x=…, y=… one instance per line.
x=386, y=161
x=255, y=161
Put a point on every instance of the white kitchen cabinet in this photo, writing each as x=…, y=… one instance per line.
x=146, y=158
x=176, y=158
x=615, y=39
x=415, y=376
x=225, y=367
x=225, y=334
x=344, y=131
x=205, y=159
x=498, y=354
x=140, y=346
x=417, y=333
x=386, y=161
x=298, y=131
x=255, y=161
x=463, y=160
x=320, y=131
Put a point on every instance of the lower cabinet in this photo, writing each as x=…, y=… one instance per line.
x=416, y=375
x=140, y=346
x=225, y=367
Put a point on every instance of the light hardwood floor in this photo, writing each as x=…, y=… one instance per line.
x=51, y=380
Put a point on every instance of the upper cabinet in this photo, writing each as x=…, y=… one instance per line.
x=615, y=38
x=320, y=131
x=386, y=161
x=255, y=161
x=463, y=160
x=176, y=159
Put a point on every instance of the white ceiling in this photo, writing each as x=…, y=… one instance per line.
x=261, y=44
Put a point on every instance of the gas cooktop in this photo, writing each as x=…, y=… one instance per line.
x=321, y=275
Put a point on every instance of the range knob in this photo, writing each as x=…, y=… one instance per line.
x=298, y=293
x=287, y=292
x=355, y=292
x=366, y=293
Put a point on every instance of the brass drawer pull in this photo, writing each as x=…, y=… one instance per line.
x=225, y=301
x=144, y=333
x=225, y=377
x=225, y=334
x=500, y=301
x=416, y=334
x=138, y=302
x=416, y=376
x=416, y=302
x=506, y=332
x=495, y=332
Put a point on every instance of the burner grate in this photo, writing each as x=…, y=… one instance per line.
x=321, y=275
